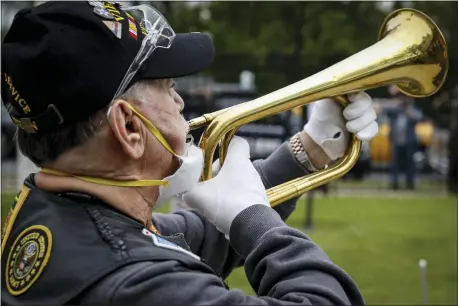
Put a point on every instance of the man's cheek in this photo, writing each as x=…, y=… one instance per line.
x=186, y=125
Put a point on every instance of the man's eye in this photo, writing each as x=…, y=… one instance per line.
x=171, y=90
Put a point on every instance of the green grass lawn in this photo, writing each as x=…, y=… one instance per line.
x=379, y=243
x=385, y=184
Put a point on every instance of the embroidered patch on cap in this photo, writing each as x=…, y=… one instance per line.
x=132, y=26
x=28, y=256
x=115, y=27
x=164, y=243
x=107, y=10
x=102, y=12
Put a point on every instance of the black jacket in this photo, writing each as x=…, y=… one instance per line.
x=74, y=249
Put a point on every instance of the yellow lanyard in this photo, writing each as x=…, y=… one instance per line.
x=138, y=183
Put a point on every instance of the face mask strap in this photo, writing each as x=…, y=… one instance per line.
x=139, y=183
x=150, y=127
x=153, y=130
x=106, y=182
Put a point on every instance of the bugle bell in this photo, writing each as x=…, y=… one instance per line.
x=411, y=52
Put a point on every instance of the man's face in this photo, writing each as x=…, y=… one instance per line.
x=164, y=109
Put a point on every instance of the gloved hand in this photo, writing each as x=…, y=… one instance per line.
x=327, y=126
x=236, y=187
x=178, y=203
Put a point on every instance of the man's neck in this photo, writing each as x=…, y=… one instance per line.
x=136, y=202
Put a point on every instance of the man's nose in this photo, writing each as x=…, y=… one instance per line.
x=178, y=100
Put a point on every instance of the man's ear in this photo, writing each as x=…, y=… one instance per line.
x=127, y=129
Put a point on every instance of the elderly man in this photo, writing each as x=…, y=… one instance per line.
x=90, y=86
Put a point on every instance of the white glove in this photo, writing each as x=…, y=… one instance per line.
x=236, y=187
x=328, y=129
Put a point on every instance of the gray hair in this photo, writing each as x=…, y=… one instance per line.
x=42, y=149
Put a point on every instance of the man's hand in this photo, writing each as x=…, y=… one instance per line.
x=328, y=129
x=236, y=187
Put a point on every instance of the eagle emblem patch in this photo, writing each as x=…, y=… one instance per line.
x=28, y=256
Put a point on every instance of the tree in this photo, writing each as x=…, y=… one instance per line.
x=283, y=42
x=443, y=13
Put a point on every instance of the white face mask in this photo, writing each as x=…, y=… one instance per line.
x=185, y=178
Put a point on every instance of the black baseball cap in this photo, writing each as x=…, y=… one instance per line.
x=62, y=61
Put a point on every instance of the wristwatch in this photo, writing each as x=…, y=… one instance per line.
x=297, y=147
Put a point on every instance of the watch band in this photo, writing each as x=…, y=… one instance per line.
x=296, y=146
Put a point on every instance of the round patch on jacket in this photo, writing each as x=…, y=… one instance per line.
x=28, y=256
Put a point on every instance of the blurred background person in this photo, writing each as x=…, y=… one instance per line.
x=403, y=118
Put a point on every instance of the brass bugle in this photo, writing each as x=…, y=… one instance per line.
x=411, y=52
